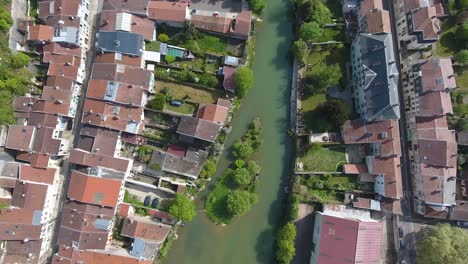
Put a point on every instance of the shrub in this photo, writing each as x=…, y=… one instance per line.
x=239, y=202
x=182, y=208
x=242, y=150
x=19, y=60
x=285, y=248
x=243, y=79
x=209, y=168
x=209, y=80
x=163, y=38
x=159, y=102
x=169, y=59
x=257, y=6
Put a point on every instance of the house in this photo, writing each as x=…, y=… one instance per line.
x=98, y=140
x=130, y=75
x=173, y=14
x=215, y=24
x=120, y=21
x=216, y=113
x=138, y=8
x=375, y=77
x=188, y=165
x=192, y=129
x=241, y=25
x=118, y=58
x=84, y=158
x=346, y=235
x=116, y=92
x=228, y=78
x=147, y=236
x=120, y=42
x=120, y=256
x=41, y=140
x=40, y=34
x=69, y=8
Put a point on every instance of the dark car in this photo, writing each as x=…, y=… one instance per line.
x=402, y=243
x=147, y=200
x=154, y=204
x=400, y=232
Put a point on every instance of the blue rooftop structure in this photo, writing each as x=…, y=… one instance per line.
x=127, y=43
x=375, y=77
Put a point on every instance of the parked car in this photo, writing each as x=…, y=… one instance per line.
x=147, y=200
x=462, y=224
x=176, y=103
x=402, y=243
x=400, y=232
x=154, y=204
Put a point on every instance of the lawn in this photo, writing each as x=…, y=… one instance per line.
x=313, y=119
x=184, y=92
x=153, y=46
x=332, y=33
x=212, y=44
x=322, y=59
x=187, y=109
x=323, y=158
x=462, y=77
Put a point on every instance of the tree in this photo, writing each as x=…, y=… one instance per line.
x=320, y=13
x=462, y=4
x=163, y=38
x=190, y=31
x=209, y=80
x=159, y=102
x=300, y=50
x=169, y=59
x=253, y=167
x=462, y=57
x=243, y=79
x=209, y=168
x=182, y=208
x=285, y=243
x=444, y=244
x=239, y=202
x=461, y=33
x=310, y=31
x=335, y=110
x=242, y=150
x=242, y=176
x=5, y=21
x=321, y=78
x=19, y=60
x=257, y=6
x=302, y=10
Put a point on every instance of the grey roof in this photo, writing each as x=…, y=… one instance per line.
x=120, y=42
x=9, y=169
x=69, y=35
x=189, y=166
x=198, y=128
x=376, y=76
x=102, y=224
x=143, y=249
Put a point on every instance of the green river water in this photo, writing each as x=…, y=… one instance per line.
x=249, y=239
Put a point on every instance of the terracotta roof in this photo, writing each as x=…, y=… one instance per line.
x=93, y=190
x=139, y=7
x=58, y=7
x=58, y=48
x=460, y=212
x=391, y=206
x=242, y=24
x=62, y=69
x=124, y=74
x=45, y=143
x=40, y=33
x=435, y=104
x=115, y=58
x=18, y=224
x=23, y=103
x=53, y=94
x=426, y=21
x=213, y=112
x=437, y=75
x=228, y=82
x=437, y=147
x=29, y=173
x=61, y=82
x=211, y=23
x=347, y=240
x=7, y=183
x=62, y=22
x=42, y=120
x=49, y=57
x=98, y=140
x=93, y=256
x=96, y=160
x=86, y=218
x=22, y=252
x=367, y=6
x=123, y=209
x=29, y=195
x=378, y=22
x=49, y=107
x=145, y=229
x=355, y=168
x=176, y=150
x=431, y=122
x=167, y=11
x=413, y=4
x=198, y=128
x=390, y=169
x=138, y=25
x=20, y=137
x=82, y=240
x=439, y=9
x=37, y=160
x=115, y=92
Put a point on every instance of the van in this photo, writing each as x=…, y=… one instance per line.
x=147, y=200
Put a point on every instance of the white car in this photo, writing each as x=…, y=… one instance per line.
x=462, y=223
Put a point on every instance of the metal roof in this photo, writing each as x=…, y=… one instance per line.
x=122, y=42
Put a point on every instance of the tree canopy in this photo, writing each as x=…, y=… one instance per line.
x=310, y=31
x=300, y=50
x=461, y=33
x=242, y=150
x=5, y=21
x=209, y=168
x=462, y=57
x=285, y=243
x=257, y=6
x=444, y=244
x=335, y=110
x=302, y=10
x=159, y=102
x=320, y=13
x=182, y=208
x=242, y=176
x=322, y=78
x=243, y=79
x=239, y=202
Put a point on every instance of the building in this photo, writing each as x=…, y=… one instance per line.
x=196, y=130
x=346, y=235
x=126, y=22
x=188, y=164
x=375, y=77
x=122, y=42
x=216, y=113
x=173, y=14
x=239, y=26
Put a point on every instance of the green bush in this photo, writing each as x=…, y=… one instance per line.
x=19, y=60
x=209, y=168
x=242, y=150
x=243, y=79
x=159, y=102
x=169, y=59
x=182, y=208
x=239, y=202
x=209, y=80
x=155, y=166
x=163, y=38
x=285, y=248
x=257, y=6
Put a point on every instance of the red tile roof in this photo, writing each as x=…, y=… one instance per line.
x=40, y=33
x=62, y=69
x=94, y=190
x=37, y=160
x=355, y=168
x=139, y=7
x=29, y=173
x=435, y=104
x=115, y=58
x=49, y=57
x=29, y=195
x=125, y=94
x=49, y=107
x=213, y=112
x=211, y=23
x=176, y=150
x=17, y=224
x=390, y=168
x=145, y=229
x=167, y=11
x=20, y=137
x=96, y=160
x=58, y=7
x=53, y=94
x=42, y=120
x=242, y=24
x=426, y=21
x=60, y=81
x=135, y=76
x=437, y=75
x=367, y=6
x=413, y=4
x=378, y=22
x=228, y=82
x=58, y=48
x=123, y=209
x=101, y=257
x=22, y=252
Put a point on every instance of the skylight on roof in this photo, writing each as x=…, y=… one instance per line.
x=123, y=22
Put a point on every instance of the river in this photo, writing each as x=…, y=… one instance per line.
x=250, y=238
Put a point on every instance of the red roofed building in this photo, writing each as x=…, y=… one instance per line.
x=116, y=92
x=40, y=34
x=121, y=73
x=96, y=256
x=117, y=58
x=94, y=190
x=37, y=175
x=171, y=13
x=346, y=236
x=228, y=81
x=85, y=158
x=216, y=113
x=112, y=20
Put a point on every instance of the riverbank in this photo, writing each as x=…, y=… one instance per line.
x=252, y=235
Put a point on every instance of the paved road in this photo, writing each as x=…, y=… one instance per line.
x=19, y=9
x=408, y=251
